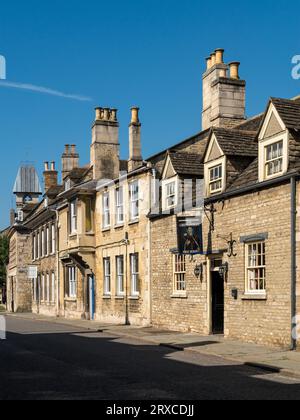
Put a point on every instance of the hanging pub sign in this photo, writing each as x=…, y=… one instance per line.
x=190, y=237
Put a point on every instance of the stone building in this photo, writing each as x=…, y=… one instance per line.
x=245, y=283
x=19, y=288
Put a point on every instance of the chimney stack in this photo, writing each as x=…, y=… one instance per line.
x=223, y=96
x=50, y=176
x=105, y=155
x=135, y=147
x=70, y=160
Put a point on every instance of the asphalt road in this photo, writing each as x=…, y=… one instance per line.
x=44, y=361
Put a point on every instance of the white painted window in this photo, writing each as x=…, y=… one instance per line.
x=179, y=284
x=48, y=287
x=34, y=247
x=170, y=194
x=216, y=179
x=43, y=243
x=34, y=285
x=47, y=241
x=38, y=254
x=134, y=271
x=43, y=287
x=120, y=206
x=107, y=277
x=256, y=268
x=106, y=210
x=134, y=200
x=53, y=299
x=120, y=275
x=72, y=282
x=274, y=159
x=53, y=244
x=73, y=216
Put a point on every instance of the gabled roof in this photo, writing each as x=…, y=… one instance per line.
x=78, y=173
x=252, y=124
x=186, y=163
x=248, y=177
x=289, y=111
x=27, y=181
x=235, y=142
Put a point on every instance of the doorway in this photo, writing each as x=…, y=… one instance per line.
x=91, y=297
x=217, y=285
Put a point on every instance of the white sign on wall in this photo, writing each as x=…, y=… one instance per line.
x=32, y=272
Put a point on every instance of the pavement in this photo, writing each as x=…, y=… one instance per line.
x=48, y=359
x=274, y=360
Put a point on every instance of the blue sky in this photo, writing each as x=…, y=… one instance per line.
x=120, y=53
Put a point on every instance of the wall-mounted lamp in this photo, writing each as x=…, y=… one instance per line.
x=223, y=270
x=198, y=271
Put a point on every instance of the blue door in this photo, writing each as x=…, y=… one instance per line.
x=92, y=297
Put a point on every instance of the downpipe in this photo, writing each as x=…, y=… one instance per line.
x=293, y=264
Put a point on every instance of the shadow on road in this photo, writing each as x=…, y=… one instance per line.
x=72, y=365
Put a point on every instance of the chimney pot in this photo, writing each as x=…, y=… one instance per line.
x=67, y=147
x=106, y=114
x=135, y=115
x=99, y=114
x=73, y=149
x=46, y=165
x=219, y=56
x=208, y=62
x=213, y=59
x=234, y=70
x=52, y=166
x=113, y=115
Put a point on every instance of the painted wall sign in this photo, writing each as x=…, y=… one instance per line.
x=190, y=236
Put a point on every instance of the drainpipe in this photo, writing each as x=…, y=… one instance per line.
x=293, y=264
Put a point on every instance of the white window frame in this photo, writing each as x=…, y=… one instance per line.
x=120, y=265
x=43, y=243
x=53, y=290
x=134, y=200
x=72, y=279
x=47, y=241
x=107, y=277
x=43, y=288
x=179, y=274
x=216, y=177
x=134, y=275
x=208, y=167
x=73, y=217
x=53, y=239
x=119, y=197
x=272, y=160
x=166, y=194
x=263, y=144
x=48, y=288
x=106, y=210
x=34, y=247
x=253, y=266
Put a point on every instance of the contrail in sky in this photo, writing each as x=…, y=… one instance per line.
x=44, y=90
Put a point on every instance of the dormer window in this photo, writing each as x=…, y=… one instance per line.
x=274, y=159
x=171, y=194
x=216, y=179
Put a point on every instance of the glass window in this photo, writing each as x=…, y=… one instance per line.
x=72, y=273
x=88, y=215
x=120, y=275
x=274, y=159
x=171, y=194
x=106, y=210
x=134, y=200
x=53, y=299
x=134, y=268
x=73, y=216
x=53, y=245
x=256, y=268
x=120, y=205
x=179, y=273
x=107, y=277
x=215, y=179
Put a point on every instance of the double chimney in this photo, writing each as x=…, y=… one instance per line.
x=50, y=176
x=105, y=148
x=223, y=93
x=69, y=160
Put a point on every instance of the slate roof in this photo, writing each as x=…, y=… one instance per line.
x=186, y=163
x=252, y=124
x=248, y=177
x=235, y=142
x=27, y=181
x=289, y=111
x=78, y=173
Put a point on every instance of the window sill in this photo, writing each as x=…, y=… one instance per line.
x=119, y=297
x=133, y=222
x=182, y=295
x=134, y=297
x=73, y=235
x=71, y=300
x=107, y=229
x=249, y=296
x=119, y=226
x=106, y=297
